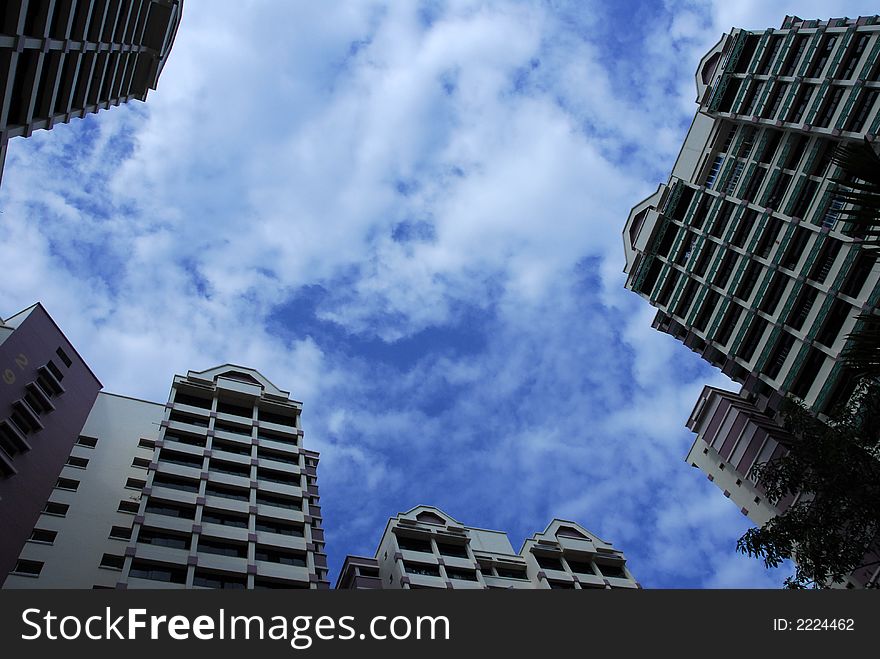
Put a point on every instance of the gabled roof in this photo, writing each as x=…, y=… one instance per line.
x=242, y=374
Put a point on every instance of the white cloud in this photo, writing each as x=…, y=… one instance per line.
x=284, y=150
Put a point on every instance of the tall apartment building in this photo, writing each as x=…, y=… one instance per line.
x=744, y=251
x=426, y=548
x=65, y=58
x=212, y=489
x=46, y=393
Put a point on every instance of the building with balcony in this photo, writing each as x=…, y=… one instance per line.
x=745, y=251
x=46, y=393
x=426, y=548
x=212, y=489
x=65, y=58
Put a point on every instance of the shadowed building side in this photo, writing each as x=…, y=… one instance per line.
x=61, y=59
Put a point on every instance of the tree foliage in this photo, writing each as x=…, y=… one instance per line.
x=834, y=469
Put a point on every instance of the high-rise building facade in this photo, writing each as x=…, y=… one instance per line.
x=426, y=548
x=212, y=489
x=65, y=58
x=745, y=251
x=46, y=393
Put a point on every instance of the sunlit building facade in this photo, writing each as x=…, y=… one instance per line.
x=424, y=548
x=745, y=252
x=212, y=489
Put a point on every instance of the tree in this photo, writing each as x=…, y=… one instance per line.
x=833, y=527
x=832, y=469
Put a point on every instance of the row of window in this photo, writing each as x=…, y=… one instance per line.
x=251, y=413
x=792, y=62
x=24, y=419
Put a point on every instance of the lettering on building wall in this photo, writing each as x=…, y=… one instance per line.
x=21, y=361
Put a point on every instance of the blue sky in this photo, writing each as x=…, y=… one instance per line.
x=410, y=216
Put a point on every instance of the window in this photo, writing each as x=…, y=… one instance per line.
x=863, y=108
x=461, y=575
x=79, y=463
x=206, y=579
x=232, y=468
x=140, y=463
x=192, y=419
x=273, y=417
x=560, y=585
x=157, y=572
x=772, y=105
x=713, y=172
x=548, y=562
x=282, y=528
x=421, y=568
x=611, y=570
x=445, y=549
x=780, y=353
x=159, y=538
x=67, y=484
x=857, y=275
x=797, y=148
x=231, y=447
x=120, y=533
x=734, y=178
x=174, y=483
x=794, y=55
x=189, y=440
x=135, y=484
x=43, y=535
x=224, y=519
x=28, y=568
x=112, y=561
x=278, y=500
x=88, y=442
x=126, y=506
x=54, y=370
x=511, y=572
x=581, y=567
x=234, y=493
x=280, y=456
x=56, y=509
x=832, y=212
x=236, y=410
x=773, y=293
x=722, y=276
x=273, y=476
x=770, y=53
x=805, y=199
x=829, y=107
x=820, y=57
x=222, y=547
x=183, y=398
x=414, y=544
x=802, y=307
x=232, y=428
x=848, y=64
x=753, y=336
x=63, y=357
x=169, y=509
x=280, y=556
x=799, y=106
x=795, y=248
x=147, y=443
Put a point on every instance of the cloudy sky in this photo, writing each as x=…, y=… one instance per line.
x=409, y=215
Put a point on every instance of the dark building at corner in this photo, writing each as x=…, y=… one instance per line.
x=61, y=59
x=46, y=393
